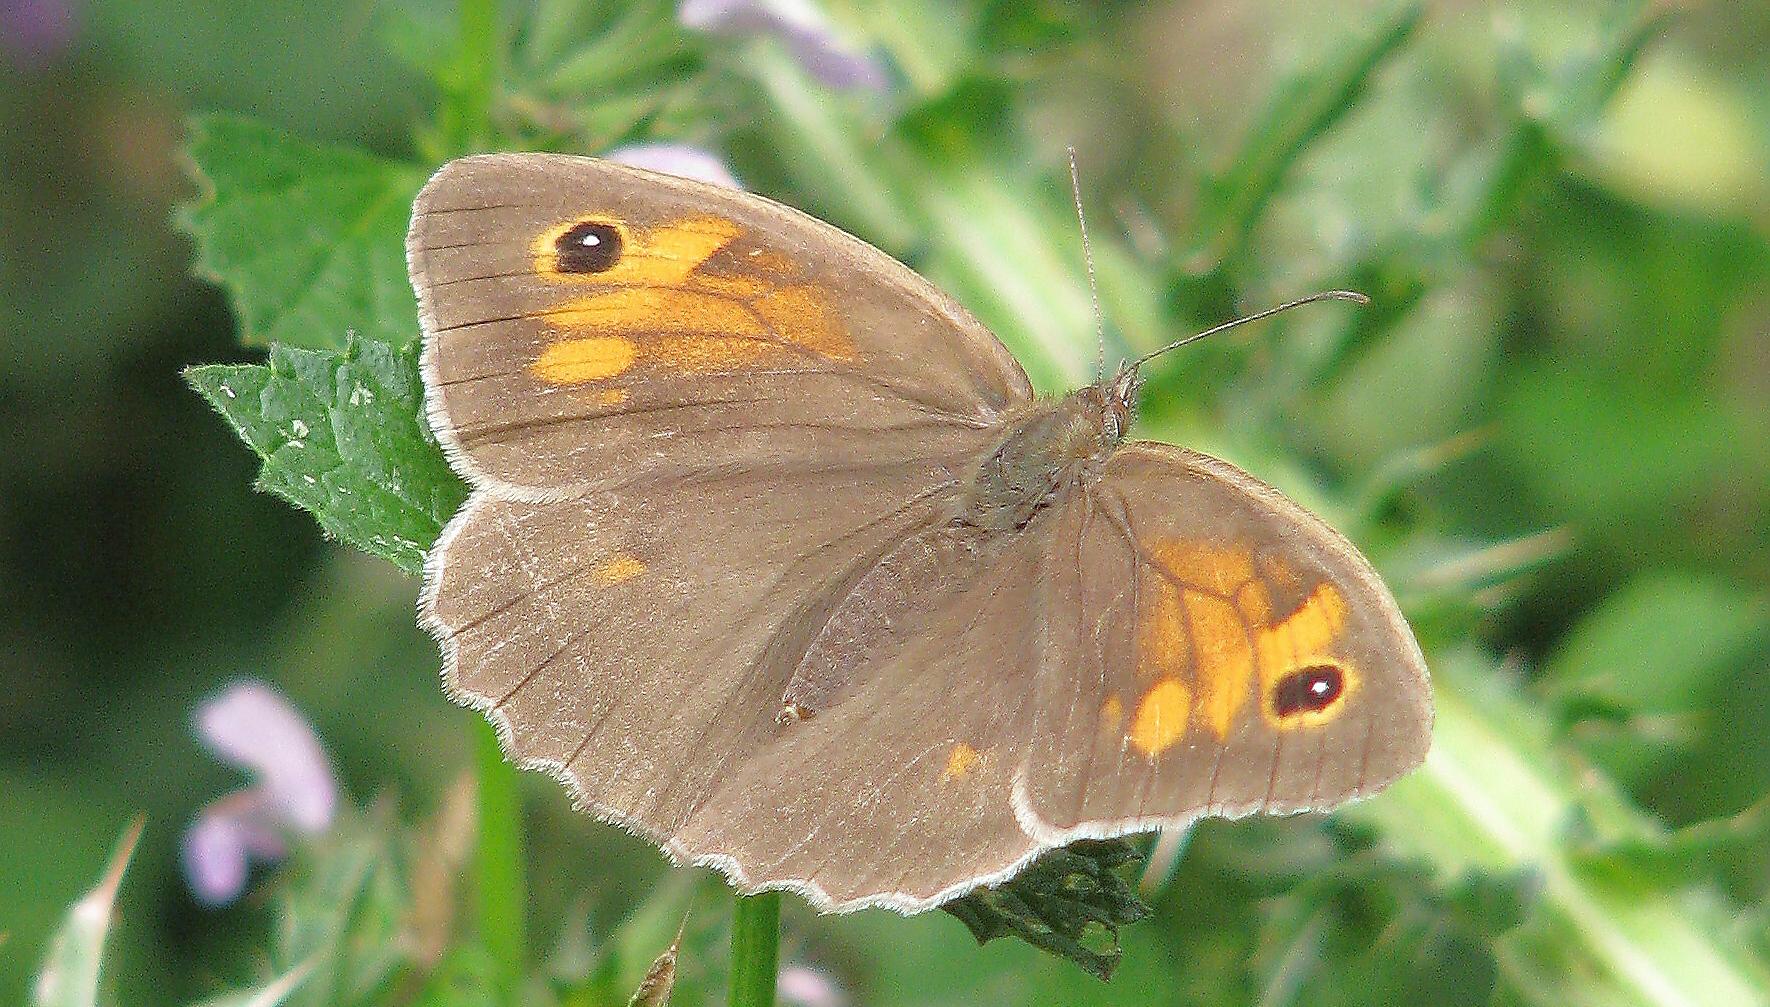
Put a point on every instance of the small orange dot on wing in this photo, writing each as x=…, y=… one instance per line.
x=617, y=569
x=961, y=761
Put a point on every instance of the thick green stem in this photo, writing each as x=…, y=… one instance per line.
x=499, y=871
x=755, y=949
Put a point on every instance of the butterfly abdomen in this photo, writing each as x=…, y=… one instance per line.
x=1036, y=453
x=916, y=575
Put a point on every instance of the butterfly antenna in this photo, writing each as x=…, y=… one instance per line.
x=1075, y=190
x=1326, y=295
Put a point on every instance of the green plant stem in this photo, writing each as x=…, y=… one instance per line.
x=755, y=949
x=499, y=870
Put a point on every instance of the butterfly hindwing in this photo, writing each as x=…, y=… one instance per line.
x=1215, y=650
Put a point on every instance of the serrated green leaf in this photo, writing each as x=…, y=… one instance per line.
x=1070, y=902
x=307, y=240
x=70, y=971
x=342, y=435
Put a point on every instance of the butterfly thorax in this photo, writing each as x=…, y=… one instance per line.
x=1040, y=450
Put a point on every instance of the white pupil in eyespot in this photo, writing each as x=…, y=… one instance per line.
x=1319, y=687
x=589, y=240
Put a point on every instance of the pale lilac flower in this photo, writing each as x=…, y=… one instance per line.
x=800, y=26
x=676, y=159
x=34, y=31
x=293, y=791
x=801, y=986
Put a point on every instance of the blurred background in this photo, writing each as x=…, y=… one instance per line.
x=1551, y=430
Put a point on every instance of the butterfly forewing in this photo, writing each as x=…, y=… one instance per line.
x=699, y=329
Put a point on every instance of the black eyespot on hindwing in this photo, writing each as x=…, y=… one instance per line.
x=1308, y=690
x=589, y=247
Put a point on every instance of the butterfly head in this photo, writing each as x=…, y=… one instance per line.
x=1119, y=400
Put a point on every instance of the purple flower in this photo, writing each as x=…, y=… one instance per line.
x=294, y=791
x=34, y=31
x=676, y=159
x=801, y=986
x=803, y=29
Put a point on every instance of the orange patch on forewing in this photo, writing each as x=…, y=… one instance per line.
x=638, y=310
x=1302, y=639
x=1305, y=633
x=712, y=353
x=593, y=358
x=617, y=569
x=802, y=314
x=1161, y=638
x=1219, y=569
x=1161, y=717
x=1225, y=669
x=960, y=761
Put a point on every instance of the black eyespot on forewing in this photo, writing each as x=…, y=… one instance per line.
x=589, y=247
x=1308, y=690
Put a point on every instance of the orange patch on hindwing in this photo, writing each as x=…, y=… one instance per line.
x=1302, y=640
x=1161, y=717
x=1219, y=569
x=1197, y=619
x=657, y=305
x=1225, y=659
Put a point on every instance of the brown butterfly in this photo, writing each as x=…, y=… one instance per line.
x=774, y=558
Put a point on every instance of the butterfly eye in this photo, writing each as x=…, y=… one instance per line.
x=589, y=247
x=1310, y=690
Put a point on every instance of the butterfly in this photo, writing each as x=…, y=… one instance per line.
x=774, y=557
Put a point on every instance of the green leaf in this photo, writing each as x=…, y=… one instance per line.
x=1303, y=107
x=1070, y=902
x=343, y=913
x=308, y=241
x=1431, y=946
x=70, y=971
x=1658, y=644
x=1687, y=856
x=342, y=434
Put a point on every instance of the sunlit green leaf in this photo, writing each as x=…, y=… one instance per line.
x=309, y=241
x=342, y=435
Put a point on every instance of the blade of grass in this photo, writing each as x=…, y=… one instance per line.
x=70, y=972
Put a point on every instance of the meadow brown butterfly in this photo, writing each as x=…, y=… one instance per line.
x=774, y=558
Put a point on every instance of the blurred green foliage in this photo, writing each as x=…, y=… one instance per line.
x=1549, y=433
